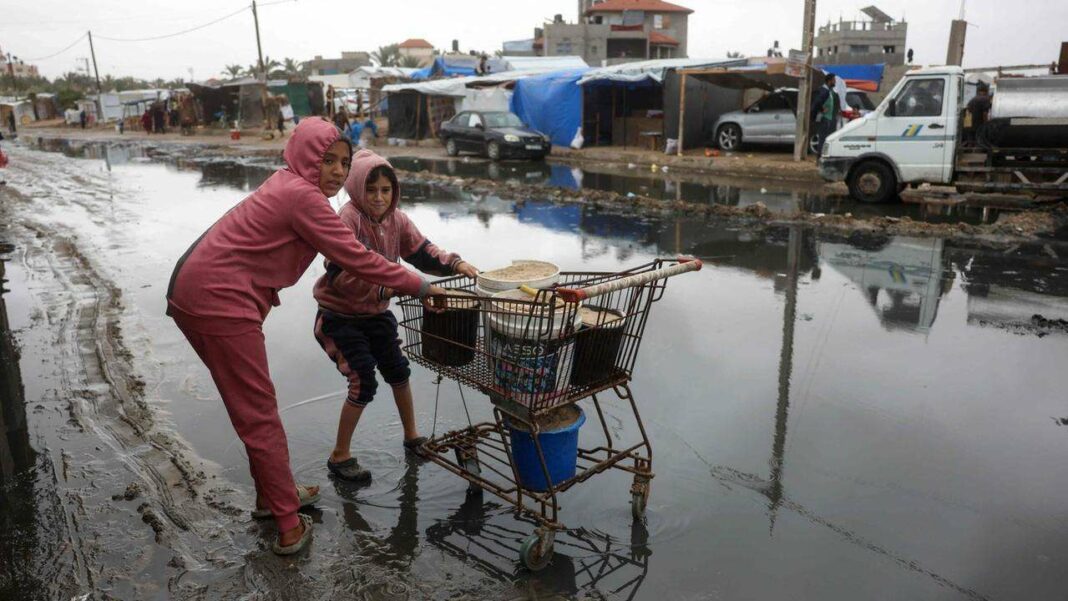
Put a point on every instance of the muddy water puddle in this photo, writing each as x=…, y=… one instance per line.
x=831, y=417
x=664, y=184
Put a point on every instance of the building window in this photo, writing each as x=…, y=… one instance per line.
x=593, y=50
x=858, y=49
x=658, y=21
x=889, y=49
x=598, y=19
x=563, y=48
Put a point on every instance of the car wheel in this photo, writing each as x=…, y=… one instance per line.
x=493, y=151
x=450, y=147
x=729, y=137
x=872, y=182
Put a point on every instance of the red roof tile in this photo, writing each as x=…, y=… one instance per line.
x=662, y=39
x=656, y=6
x=415, y=43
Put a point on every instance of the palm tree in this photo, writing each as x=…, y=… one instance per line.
x=386, y=56
x=234, y=71
x=108, y=83
x=158, y=82
x=292, y=67
x=409, y=62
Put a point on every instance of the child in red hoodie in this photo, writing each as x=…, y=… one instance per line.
x=354, y=324
x=223, y=287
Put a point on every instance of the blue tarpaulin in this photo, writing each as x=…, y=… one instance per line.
x=856, y=72
x=551, y=104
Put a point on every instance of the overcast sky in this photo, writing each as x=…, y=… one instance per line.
x=1031, y=32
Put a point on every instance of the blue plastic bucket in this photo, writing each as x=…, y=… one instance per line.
x=559, y=446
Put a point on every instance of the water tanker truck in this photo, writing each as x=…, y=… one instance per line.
x=916, y=136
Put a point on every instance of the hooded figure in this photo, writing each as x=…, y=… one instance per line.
x=223, y=287
x=393, y=236
x=354, y=325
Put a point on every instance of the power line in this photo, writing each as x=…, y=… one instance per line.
x=178, y=33
x=42, y=58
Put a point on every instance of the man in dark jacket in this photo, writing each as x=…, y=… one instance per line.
x=825, y=110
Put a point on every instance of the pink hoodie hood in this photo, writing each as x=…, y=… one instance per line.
x=305, y=149
x=363, y=163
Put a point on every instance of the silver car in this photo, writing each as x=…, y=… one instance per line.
x=771, y=119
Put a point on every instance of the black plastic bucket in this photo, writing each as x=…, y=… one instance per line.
x=597, y=345
x=449, y=338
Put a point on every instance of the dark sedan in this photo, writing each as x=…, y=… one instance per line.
x=496, y=134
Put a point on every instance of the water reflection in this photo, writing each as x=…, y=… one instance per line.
x=480, y=534
x=19, y=528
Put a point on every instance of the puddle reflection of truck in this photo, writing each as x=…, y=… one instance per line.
x=903, y=281
x=915, y=137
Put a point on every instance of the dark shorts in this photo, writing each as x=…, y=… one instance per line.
x=358, y=344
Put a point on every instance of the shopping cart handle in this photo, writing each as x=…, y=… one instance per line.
x=575, y=295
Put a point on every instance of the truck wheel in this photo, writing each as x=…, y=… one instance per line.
x=729, y=137
x=450, y=147
x=872, y=182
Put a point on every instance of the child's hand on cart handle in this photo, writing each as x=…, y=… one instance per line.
x=434, y=301
x=685, y=264
x=467, y=269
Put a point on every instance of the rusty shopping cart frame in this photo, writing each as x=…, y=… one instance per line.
x=532, y=353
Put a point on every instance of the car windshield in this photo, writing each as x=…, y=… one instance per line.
x=860, y=101
x=502, y=120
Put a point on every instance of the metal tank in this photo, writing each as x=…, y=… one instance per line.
x=1029, y=112
x=1036, y=97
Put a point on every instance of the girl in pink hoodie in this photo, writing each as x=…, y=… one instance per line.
x=223, y=287
x=354, y=324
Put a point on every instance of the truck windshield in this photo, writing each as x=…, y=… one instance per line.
x=921, y=98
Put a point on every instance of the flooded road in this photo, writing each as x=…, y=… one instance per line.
x=831, y=417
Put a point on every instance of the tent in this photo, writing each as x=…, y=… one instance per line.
x=22, y=110
x=301, y=95
x=860, y=77
x=552, y=104
x=45, y=106
x=453, y=65
x=624, y=105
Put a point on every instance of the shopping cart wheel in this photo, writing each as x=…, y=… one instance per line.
x=639, y=497
x=536, y=551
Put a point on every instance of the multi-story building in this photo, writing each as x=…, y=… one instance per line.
x=349, y=62
x=609, y=32
x=418, y=48
x=12, y=66
x=880, y=40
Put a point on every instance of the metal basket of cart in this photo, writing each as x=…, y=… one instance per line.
x=535, y=354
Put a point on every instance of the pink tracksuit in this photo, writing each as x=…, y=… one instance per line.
x=354, y=326
x=226, y=283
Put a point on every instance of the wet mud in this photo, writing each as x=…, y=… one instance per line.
x=834, y=413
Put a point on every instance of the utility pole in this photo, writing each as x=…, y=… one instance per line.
x=99, y=92
x=804, y=95
x=957, y=31
x=259, y=48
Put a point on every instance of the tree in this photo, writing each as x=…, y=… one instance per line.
x=234, y=71
x=734, y=54
x=387, y=56
x=410, y=62
x=292, y=67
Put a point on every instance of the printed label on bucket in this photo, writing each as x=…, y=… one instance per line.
x=525, y=367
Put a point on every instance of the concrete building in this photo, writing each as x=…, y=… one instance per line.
x=418, y=48
x=880, y=40
x=349, y=61
x=12, y=66
x=610, y=32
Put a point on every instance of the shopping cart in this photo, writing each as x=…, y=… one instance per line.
x=535, y=354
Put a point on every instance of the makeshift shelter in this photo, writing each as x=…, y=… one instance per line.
x=552, y=104
x=457, y=65
x=416, y=110
x=45, y=106
x=238, y=101
x=624, y=105
x=544, y=63
x=22, y=109
x=768, y=77
x=859, y=77
x=301, y=95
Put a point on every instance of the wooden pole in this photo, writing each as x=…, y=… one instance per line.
x=804, y=95
x=99, y=92
x=259, y=48
x=682, y=112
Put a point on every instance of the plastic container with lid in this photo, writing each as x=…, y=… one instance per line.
x=536, y=274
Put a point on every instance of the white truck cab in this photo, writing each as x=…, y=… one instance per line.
x=911, y=137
